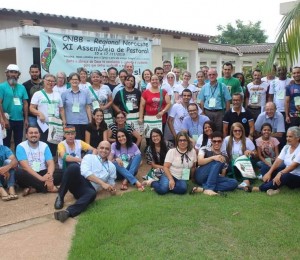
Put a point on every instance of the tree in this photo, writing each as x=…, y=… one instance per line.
x=241, y=34
x=287, y=44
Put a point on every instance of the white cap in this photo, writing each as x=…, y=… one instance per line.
x=13, y=67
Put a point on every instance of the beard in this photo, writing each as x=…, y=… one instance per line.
x=12, y=81
x=34, y=77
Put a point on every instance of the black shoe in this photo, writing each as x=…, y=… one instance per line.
x=62, y=215
x=59, y=203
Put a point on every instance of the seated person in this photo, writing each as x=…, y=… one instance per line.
x=126, y=156
x=267, y=149
x=156, y=153
x=37, y=172
x=236, y=145
x=70, y=150
x=7, y=174
x=286, y=168
x=205, y=139
x=179, y=167
x=211, y=172
x=95, y=173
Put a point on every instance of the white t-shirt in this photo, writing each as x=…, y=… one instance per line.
x=178, y=112
x=177, y=165
x=288, y=157
x=200, y=140
x=179, y=88
x=102, y=94
x=43, y=105
x=84, y=86
x=258, y=94
x=60, y=90
x=237, y=146
x=277, y=88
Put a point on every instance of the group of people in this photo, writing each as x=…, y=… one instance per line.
x=193, y=131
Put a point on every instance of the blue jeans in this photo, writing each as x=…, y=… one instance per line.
x=162, y=186
x=208, y=176
x=131, y=170
x=11, y=180
x=265, y=168
x=288, y=179
x=32, y=121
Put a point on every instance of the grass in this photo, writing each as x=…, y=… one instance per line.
x=148, y=226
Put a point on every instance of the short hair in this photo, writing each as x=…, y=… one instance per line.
x=158, y=68
x=183, y=133
x=64, y=75
x=187, y=72
x=112, y=68
x=216, y=134
x=131, y=76
x=192, y=104
x=167, y=61
x=74, y=74
x=32, y=126
x=34, y=66
x=257, y=70
x=266, y=124
x=227, y=64
x=96, y=72
x=124, y=71
x=295, y=130
x=187, y=90
x=238, y=94
x=80, y=69
x=143, y=73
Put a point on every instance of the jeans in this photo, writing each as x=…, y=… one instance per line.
x=208, y=176
x=32, y=121
x=162, y=186
x=131, y=170
x=17, y=128
x=79, y=186
x=10, y=182
x=263, y=167
x=288, y=179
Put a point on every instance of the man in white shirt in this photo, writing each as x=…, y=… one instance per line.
x=95, y=173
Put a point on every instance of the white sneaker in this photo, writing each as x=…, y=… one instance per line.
x=272, y=192
x=260, y=177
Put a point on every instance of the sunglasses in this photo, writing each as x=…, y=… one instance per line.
x=216, y=141
x=237, y=131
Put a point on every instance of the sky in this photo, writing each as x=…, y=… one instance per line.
x=196, y=16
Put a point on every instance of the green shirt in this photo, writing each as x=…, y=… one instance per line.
x=233, y=85
x=12, y=100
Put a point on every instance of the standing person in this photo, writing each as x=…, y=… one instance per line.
x=256, y=94
x=177, y=73
x=122, y=76
x=193, y=123
x=97, y=130
x=33, y=85
x=126, y=156
x=83, y=73
x=46, y=103
x=13, y=106
x=171, y=82
x=112, y=73
x=186, y=76
x=233, y=84
x=155, y=102
x=37, y=172
x=8, y=163
x=213, y=163
x=178, y=112
x=267, y=149
x=240, y=76
x=146, y=77
x=205, y=70
x=200, y=75
x=129, y=67
x=238, y=114
x=286, y=168
x=215, y=99
x=278, y=89
x=179, y=166
x=77, y=106
x=61, y=83
x=104, y=79
x=292, y=100
x=167, y=66
x=96, y=172
x=101, y=96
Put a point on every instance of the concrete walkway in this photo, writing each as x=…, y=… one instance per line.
x=28, y=229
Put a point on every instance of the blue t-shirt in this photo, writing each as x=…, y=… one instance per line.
x=194, y=128
x=5, y=153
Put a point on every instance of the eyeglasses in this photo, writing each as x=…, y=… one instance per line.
x=211, y=74
x=216, y=141
x=237, y=131
x=191, y=111
x=182, y=140
x=50, y=81
x=120, y=117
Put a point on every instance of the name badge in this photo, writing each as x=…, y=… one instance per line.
x=297, y=101
x=186, y=174
x=280, y=94
x=268, y=160
x=36, y=166
x=212, y=102
x=229, y=88
x=125, y=164
x=195, y=137
x=75, y=108
x=129, y=105
x=254, y=99
x=95, y=104
x=17, y=101
x=50, y=109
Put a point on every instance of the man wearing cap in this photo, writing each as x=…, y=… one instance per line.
x=95, y=173
x=13, y=105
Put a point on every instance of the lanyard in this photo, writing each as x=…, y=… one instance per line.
x=213, y=93
x=100, y=160
x=46, y=95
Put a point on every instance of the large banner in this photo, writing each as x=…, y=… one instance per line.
x=61, y=52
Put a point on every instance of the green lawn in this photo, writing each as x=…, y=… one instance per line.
x=148, y=226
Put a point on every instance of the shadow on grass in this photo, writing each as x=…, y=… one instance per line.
x=148, y=226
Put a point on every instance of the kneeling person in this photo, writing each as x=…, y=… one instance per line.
x=95, y=173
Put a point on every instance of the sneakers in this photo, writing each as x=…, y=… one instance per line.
x=62, y=215
x=260, y=177
x=272, y=192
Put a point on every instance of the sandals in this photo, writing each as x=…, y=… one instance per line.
x=6, y=198
x=195, y=190
x=28, y=191
x=140, y=187
x=124, y=186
